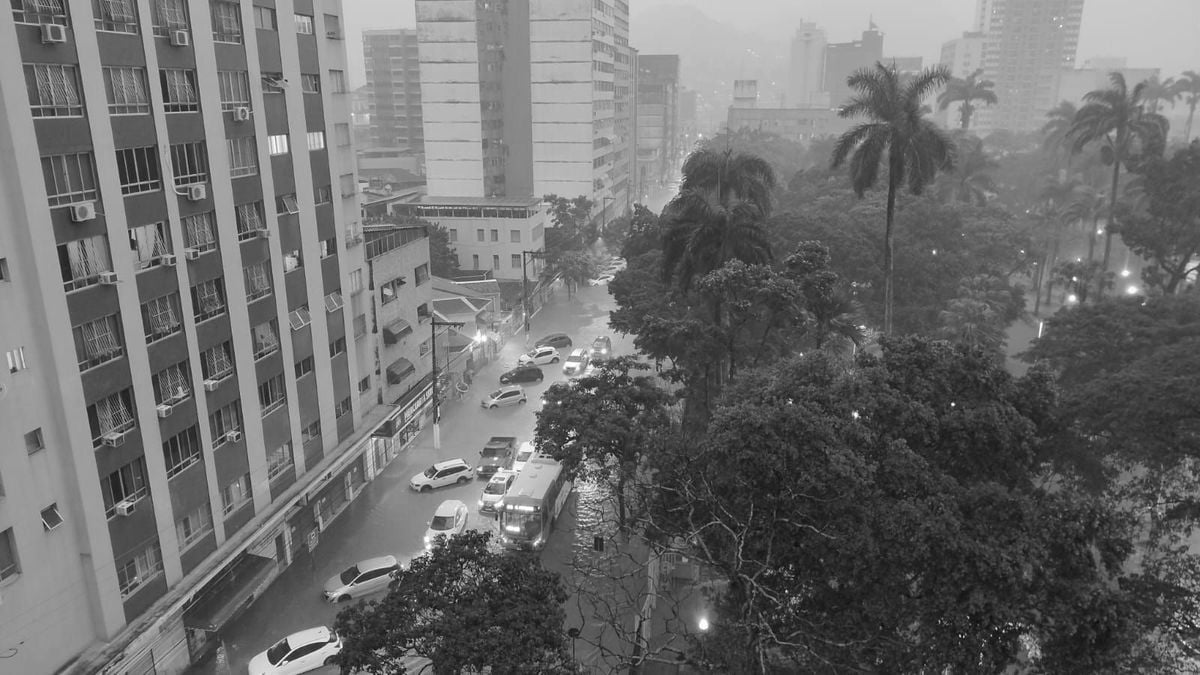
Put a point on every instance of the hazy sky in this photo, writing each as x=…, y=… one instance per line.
x=1150, y=33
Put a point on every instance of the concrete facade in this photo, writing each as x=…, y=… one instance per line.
x=657, y=120
x=806, y=68
x=488, y=234
x=394, y=89
x=843, y=58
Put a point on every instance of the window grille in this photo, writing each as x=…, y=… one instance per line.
x=97, y=342
x=160, y=317
x=69, y=178
x=169, y=15
x=82, y=261
x=178, y=90
x=116, y=16
x=258, y=281
x=198, y=232
x=125, y=88
x=53, y=90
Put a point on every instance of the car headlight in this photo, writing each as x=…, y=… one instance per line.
x=481, y=502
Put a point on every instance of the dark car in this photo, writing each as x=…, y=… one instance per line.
x=556, y=340
x=522, y=374
x=601, y=348
x=493, y=459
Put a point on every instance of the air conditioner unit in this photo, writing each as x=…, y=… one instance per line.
x=191, y=253
x=197, y=193
x=211, y=385
x=114, y=439
x=333, y=302
x=233, y=436
x=241, y=114
x=168, y=259
x=126, y=508
x=108, y=278
x=164, y=410
x=53, y=33
x=180, y=38
x=83, y=211
x=263, y=233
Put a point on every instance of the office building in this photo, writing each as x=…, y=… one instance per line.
x=488, y=234
x=1028, y=44
x=806, y=68
x=657, y=120
x=843, y=58
x=394, y=89
x=197, y=189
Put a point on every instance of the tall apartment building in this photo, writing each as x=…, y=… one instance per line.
x=657, y=120
x=1028, y=44
x=394, y=89
x=843, y=58
x=806, y=68
x=196, y=188
x=962, y=56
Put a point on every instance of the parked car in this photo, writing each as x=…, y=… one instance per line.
x=513, y=394
x=576, y=363
x=497, y=454
x=495, y=490
x=449, y=519
x=556, y=340
x=601, y=348
x=298, y=653
x=442, y=474
x=523, y=454
x=538, y=356
x=601, y=280
x=363, y=578
x=525, y=373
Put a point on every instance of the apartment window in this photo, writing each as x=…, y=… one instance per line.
x=495, y=235
x=423, y=312
x=266, y=338
x=421, y=274
x=16, y=359
x=304, y=366
x=341, y=131
x=423, y=348
x=149, y=243
x=389, y=290
x=81, y=262
x=227, y=21
x=51, y=518
x=143, y=567
x=514, y=236
x=69, y=178
x=37, y=12
x=138, y=170
x=243, y=156
x=235, y=89
x=333, y=26
x=356, y=284
x=258, y=281
x=236, y=494
x=453, y=235
x=110, y=416
x=116, y=16
x=342, y=407
x=277, y=145
x=336, y=347
x=169, y=15
x=323, y=194
x=172, y=384
x=516, y=261
x=280, y=461
x=364, y=385
x=328, y=247
x=316, y=140
x=208, y=299
x=310, y=433
x=337, y=81
x=249, y=220
x=198, y=232
x=9, y=564
x=349, y=188
x=181, y=451
x=273, y=83
x=127, y=484
x=98, y=341
x=271, y=394
x=475, y=261
x=53, y=90
x=125, y=89
x=190, y=162
x=264, y=18
x=287, y=204
x=304, y=24
x=223, y=421
x=292, y=260
x=160, y=317
x=217, y=363
x=194, y=526
x=34, y=441
x=495, y=262
x=310, y=83
x=178, y=90
x=360, y=326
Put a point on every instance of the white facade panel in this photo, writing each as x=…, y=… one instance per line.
x=564, y=170
x=451, y=131
x=449, y=112
x=560, y=113
x=445, y=10
x=559, y=9
x=562, y=152
x=446, y=31
x=564, y=133
x=554, y=52
x=460, y=187
x=446, y=71
x=455, y=52
x=561, y=31
x=449, y=92
x=559, y=186
x=457, y=150
x=565, y=92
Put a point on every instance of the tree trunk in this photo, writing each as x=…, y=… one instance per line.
x=889, y=249
x=1187, y=128
x=964, y=114
x=621, y=498
x=1108, y=227
x=1092, y=239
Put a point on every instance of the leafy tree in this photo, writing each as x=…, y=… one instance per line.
x=1159, y=92
x=976, y=317
x=443, y=262
x=1088, y=207
x=966, y=91
x=1057, y=129
x=971, y=181
x=834, y=316
x=760, y=307
x=785, y=156
x=1078, y=276
x=1187, y=86
x=600, y=425
x=644, y=234
x=573, y=219
x=576, y=268
x=913, y=147
x=1114, y=118
x=1167, y=230
x=462, y=606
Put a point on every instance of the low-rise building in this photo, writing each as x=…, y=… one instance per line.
x=489, y=233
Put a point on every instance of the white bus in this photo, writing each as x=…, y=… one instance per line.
x=527, y=512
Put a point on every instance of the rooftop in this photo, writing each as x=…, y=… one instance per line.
x=432, y=200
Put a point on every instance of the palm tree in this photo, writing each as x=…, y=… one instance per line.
x=970, y=182
x=1115, y=119
x=1052, y=211
x=897, y=133
x=1157, y=92
x=1057, y=128
x=966, y=91
x=718, y=214
x=1089, y=206
x=1187, y=87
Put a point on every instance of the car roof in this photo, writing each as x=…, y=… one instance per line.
x=554, y=335
x=577, y=352
x=307, y=636
x=449, y=463
x=448, y=507
x=501, y=476
x=546, y=348
x=508, y=387
x=376, y=563
x=601, y=337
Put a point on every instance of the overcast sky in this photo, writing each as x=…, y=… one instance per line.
x=1150, y=33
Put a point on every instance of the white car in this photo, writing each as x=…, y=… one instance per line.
x=363, y=578
x=514, y=394
x=449, y=519
x=496, y=488
x=298, y=653
x=577, y=362
x=539, y=356
x=442, y=474
x=523, y=453
x=601, y=280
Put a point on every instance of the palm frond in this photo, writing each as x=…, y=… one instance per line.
x=929, y=79
x=866, y=160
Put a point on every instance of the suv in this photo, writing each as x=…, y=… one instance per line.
x=364, y=578
x=601, y=348
x=576, y=363
x=442, y=474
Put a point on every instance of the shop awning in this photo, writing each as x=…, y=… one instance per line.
x=229, y=594
x=396, y=330
x=400, y=369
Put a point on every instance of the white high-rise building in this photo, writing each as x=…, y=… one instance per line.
x=806, y=87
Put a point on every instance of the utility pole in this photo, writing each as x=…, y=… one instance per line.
x=434, y=324
x=525, y=256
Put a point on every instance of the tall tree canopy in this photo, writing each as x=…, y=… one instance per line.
x=1166, y=230
x=966, y=91
x=1188, y=88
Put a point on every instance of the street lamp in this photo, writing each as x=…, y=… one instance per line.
x=434, y=324
x=525, y=256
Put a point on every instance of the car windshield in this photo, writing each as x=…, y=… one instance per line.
x=492, y=452
x=275, y=654
x=574, y=359
x=496, y=394
x=532, y=354
x=496, y=488
x=524, y=455
x=442, y=523
x=350, y=574
x=430, y=472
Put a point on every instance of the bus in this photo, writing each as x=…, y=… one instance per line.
x=527, y=512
